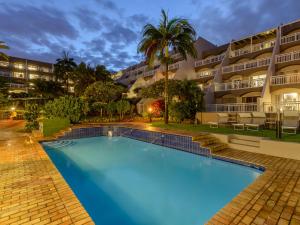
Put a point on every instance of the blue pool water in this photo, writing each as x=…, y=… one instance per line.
x=122, y=181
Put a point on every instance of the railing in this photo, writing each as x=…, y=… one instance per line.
x=286, y=79
x=207, y=73
x=174, y=66
x=288, y=57
x=290, y=38
x=247, y=65
x=253, y=48
x=237, y=85
x=14, y=85
x=209, y=60
x=233, y=107
x=176, y=56
x=149, y=73
x=284, y=106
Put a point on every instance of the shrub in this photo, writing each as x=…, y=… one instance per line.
x=65, y=107
x=158, y=107
x=31, y=116
x=179, y=111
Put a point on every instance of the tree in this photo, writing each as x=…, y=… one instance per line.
x=110, y=109
x=103, y=92
x=170, y=35
x=84, y=75
x=122, y=107
x=64, y=69
x=47, y=89
x=102, y=74
x=3, y=46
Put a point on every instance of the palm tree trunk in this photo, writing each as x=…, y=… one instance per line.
x=167, y=94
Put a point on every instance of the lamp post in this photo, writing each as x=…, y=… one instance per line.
x=279, y=124
x=150, y=110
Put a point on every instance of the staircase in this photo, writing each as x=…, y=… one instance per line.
x=246, y=143
x=210, y=142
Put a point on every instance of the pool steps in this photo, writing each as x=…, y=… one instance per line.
x=210, y=142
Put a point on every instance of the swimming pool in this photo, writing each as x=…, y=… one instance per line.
x=121, y=181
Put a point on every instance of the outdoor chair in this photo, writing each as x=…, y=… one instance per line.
x=223, y=118
x=243, y=119
x=258, y=120
x=290, y=123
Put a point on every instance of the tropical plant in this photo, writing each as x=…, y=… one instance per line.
x=102, y=74
x=171, y=35
x=65, y=107
x=122, y=108
x=47, y=89
x=110, y=109
x=64, y=69
x=3, y=46
x=31, y=116
x=157, y=108
x=103, y=92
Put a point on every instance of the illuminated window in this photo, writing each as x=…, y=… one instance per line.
x=4, y=64
x=18, y=75
x=19, y=65
x=32, y=67
x=45, y=69
x=290, y=97
x=34, y=76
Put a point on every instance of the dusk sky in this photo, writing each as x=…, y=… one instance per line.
x=107, y=31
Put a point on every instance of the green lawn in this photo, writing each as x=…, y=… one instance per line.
x=226, y=130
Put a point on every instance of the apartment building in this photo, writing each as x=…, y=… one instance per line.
x=256, y=73
x=20, y=72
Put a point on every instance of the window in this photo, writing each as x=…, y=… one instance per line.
x=258, y=80
x=249, y=99
x=18, y=75
x=4, y=64
x=45, y=69
x=4, y=73
x=19, y=65
x=32, y=67
x=34, y=76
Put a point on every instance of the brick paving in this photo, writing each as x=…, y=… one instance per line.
x=32, y=191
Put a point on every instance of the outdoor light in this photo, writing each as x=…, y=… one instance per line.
x=150, y=109
x=13, y=108
x=150, y=113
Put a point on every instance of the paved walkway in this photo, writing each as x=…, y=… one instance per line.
x=32, y=191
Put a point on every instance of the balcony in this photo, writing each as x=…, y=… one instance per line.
x=205, y=74
x=149, y=73
x=233, y=107
x=286, y=79
x=290, y=38
x=174, y=66
x=176, y=56
x=243, y=84
x=253, y=48
x=209, y=60
x=252, y=64
x=288, y=57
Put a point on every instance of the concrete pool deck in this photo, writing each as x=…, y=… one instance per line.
x=32, y=191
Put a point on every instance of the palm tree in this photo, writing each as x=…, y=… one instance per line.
x=3, y=46
x=171, y=35
x=64, y=69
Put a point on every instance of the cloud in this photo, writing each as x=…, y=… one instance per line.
x=107, y=4
x=88, y=19
x=118, y=33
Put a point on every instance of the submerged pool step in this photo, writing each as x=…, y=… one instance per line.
x=59, y=144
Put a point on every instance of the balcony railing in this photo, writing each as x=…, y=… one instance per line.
x=288, y=57
x=237, y=85
x=290, y=38
x=247, y=65
x=283, y=106
x=253, y=48
x=286, y=79
x=176, y=56
x=210, y=60
x=15, y=85
x=205, y=74
x=150, y=73
x=174, y=66
x=233, y=107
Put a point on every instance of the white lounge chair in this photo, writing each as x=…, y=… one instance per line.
x=243, y=119
x=258, y=120
x=223, y=118
x=290, y=123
